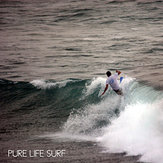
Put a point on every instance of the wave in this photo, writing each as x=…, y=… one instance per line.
x=44, y=93
x=45, y=84
x=131, y=123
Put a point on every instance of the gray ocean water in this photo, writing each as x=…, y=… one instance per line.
x=81, y=39
x=53, y=59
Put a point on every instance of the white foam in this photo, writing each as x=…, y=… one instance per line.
x=90, y=88
x=87, y=119
x=138, y=130
x=43, y=84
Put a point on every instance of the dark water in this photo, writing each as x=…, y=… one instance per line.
x=53, y=59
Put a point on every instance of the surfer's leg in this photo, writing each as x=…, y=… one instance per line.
x=119, y=92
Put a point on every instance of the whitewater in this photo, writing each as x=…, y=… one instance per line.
x=132, y=123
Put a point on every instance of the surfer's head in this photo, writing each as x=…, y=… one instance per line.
x=108, y=73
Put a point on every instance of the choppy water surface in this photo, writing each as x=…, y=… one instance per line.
x=80, y=39
x=53, y=59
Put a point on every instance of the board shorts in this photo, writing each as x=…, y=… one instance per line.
x=119, y=92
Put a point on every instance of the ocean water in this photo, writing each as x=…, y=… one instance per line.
x=53, y=59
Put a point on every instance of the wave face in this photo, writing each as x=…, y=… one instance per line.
x=132, y=123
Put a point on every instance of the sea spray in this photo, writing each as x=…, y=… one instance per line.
x=131, y=123
x=138, y=130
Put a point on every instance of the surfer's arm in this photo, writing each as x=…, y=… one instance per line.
x=106, y=87
x=119, y=72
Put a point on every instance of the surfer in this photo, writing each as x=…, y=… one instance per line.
x=112, y=81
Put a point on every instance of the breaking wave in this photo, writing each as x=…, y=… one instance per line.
x=132, y=123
